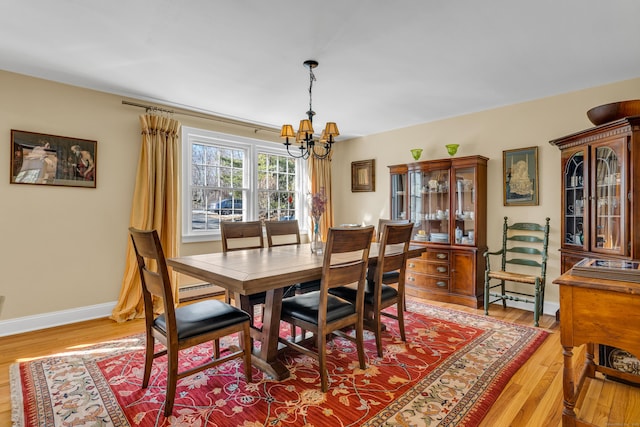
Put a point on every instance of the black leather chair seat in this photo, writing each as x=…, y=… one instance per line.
x=310, y=286
x=349, y=292
x=305, y=307
x=202, y=317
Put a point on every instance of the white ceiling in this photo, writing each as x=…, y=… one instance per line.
x=383, y=64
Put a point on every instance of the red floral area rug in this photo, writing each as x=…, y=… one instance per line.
x=448, y=373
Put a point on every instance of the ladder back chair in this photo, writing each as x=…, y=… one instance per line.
x=523, y=260
x=392, y=256
x=185, y=326
x=345, y=261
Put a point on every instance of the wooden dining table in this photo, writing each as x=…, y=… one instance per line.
x=269, y=270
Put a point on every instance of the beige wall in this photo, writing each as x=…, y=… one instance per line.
x=488, y=133
x=62, y=249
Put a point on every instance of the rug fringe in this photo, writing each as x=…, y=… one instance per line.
x=17, y=414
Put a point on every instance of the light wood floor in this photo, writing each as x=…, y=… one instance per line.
x=533, y=397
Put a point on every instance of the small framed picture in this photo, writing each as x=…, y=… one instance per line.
x=363, y=176
x=43, y=159
x=520, y=177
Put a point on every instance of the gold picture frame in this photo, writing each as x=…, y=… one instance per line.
x=520, y=177
x=363, y=176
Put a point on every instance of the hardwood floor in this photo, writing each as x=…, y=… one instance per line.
x=533, y=397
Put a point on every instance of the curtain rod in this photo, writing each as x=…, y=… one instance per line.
x=206, y=116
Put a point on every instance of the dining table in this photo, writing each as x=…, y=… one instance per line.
x=270, y=270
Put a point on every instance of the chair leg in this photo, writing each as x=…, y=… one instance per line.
x=360, y=343
x=216, y=349
x=245, y=342
x=503, y=289
x=148, y=359
x=378, y=331
x=322, y=361
x=536, y=308
x=172, y=380
x=486, y=293
x=403, y=335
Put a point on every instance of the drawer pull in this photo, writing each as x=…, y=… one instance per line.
x=441, y=284
x=441, y=256
x=411, y=279
x=442, y=269
x=411, y=265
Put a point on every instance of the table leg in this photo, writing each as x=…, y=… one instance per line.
x=568, y=387
x=266, y=358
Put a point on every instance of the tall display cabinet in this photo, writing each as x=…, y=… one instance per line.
x=601, y=205
x=600, y=192
x=446, y=200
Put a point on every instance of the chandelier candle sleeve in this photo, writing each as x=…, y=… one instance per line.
x=304, y=136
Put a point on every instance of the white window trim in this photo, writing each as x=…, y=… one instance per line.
x=252, y=147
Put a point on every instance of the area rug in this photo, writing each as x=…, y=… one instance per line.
x=448, y=373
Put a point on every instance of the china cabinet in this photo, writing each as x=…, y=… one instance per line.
x=600, y=194
x=446, y=200
x=600, y=206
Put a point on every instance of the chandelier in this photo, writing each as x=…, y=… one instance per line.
x=304, y=138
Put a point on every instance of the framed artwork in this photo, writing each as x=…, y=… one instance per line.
x=42, y=159
x=520, y=177
x=363, y=176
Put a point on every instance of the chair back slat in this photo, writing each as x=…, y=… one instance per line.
x=154, y=273
x=241, y=235
x=280, y=233
x=382, y=222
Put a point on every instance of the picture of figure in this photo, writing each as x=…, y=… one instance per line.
x=38, y=164
x=84, y=163
x=520, y=169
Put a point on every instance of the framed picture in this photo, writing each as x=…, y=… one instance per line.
x=520, y=177
x=42, y=159
x=363, y=176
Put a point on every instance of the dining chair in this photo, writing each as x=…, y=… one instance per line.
x=280, y=233
x=522, y=272
x=392, y=256
x=240, y=235
x=345, y=261
x=185, y=326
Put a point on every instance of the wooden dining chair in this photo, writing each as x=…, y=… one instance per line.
x=281, y=233
x=240, y=235
x=185, y=326
x=392, y=256
x=345, y=261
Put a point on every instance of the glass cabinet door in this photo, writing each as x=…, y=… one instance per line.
x=574, y=200
x=608, y=198
x=398, y=196
x=435, y=190
x=465, y=206
x=415, y=198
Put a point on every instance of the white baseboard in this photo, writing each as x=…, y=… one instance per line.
x=549, y=308
x=55, y=318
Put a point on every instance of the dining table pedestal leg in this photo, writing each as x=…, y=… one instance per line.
x=266, y=357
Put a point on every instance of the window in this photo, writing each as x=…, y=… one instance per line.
x=232, y=178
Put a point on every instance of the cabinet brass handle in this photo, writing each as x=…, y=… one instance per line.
x=442, y=269
x=441, y=256
x=411, y=265
x=441, y=284
x=411, y=279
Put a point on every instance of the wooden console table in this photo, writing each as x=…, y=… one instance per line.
x=595, y=311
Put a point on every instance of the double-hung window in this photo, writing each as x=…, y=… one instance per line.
x=233, y=178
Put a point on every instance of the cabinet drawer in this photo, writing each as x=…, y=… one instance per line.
x=425, y=267
x=416, y=280
x=436, y=255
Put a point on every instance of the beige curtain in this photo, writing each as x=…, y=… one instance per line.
x=319, y=178
x=155, y=206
